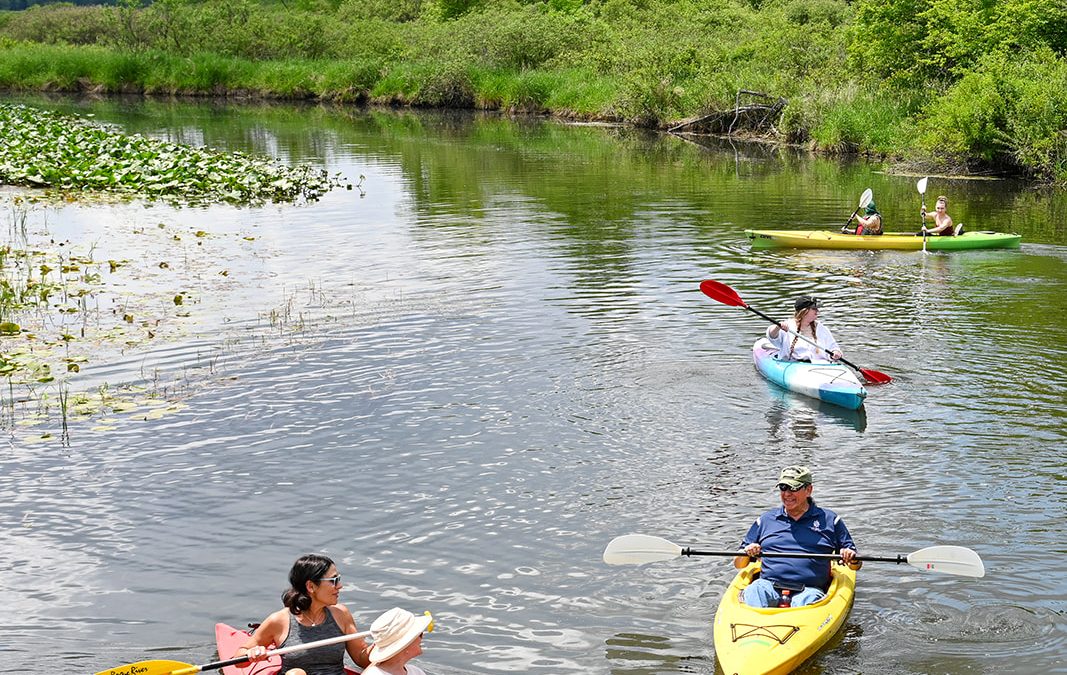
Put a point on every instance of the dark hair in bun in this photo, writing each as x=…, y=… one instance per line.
x=309, y=567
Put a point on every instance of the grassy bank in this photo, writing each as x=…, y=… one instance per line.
x=962, y=87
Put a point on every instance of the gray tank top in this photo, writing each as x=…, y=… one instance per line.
x=328, y=660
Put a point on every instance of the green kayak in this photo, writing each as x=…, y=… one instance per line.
x=897, y=241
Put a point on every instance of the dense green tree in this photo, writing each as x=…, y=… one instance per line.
x=913, y=42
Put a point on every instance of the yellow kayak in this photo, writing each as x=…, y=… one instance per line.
x=766, y=641
x=898, y=241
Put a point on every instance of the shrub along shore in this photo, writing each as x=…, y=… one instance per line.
x=949, y=86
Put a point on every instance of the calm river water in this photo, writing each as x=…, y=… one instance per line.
x=463, y=379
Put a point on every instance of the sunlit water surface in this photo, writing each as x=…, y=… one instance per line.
x=464, y=382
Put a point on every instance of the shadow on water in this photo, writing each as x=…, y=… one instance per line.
x=642, y=654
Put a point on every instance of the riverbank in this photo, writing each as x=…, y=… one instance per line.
x=910, y=88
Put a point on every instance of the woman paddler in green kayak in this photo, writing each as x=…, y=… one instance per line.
x=804, y=322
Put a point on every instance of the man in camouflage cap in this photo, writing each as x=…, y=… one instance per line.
x=798, y=525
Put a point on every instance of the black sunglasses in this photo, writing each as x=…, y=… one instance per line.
x=787, y=488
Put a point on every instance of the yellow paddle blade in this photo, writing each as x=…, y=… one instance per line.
x=153, y=668
x=429, y=627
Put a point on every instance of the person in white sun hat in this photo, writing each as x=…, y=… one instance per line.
x=397, y=637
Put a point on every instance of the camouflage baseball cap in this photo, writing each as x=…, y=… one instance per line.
x=794, y=476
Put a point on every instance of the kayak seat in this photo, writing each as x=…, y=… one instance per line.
x=959, y=230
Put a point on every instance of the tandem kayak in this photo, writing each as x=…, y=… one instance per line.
x=769, y=641
x=831, y=382
x=229, y=639
x=897, y=241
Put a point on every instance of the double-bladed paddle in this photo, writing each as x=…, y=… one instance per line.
x=728, y=296
x=865, y=199
x=179, y=668
x=921, y=187
x=636, y=549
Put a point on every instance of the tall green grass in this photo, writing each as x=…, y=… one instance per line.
x=848, y=69
x=853, y=119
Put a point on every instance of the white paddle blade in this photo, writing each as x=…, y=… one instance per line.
x=956, y=560
x=636, y=549
x=866, y=198
x=921, y=185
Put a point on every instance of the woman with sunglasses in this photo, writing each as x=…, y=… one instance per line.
x=311, y=613
x=797, y=525
x=804, y=322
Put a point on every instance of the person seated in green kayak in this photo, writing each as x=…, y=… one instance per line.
x=942, y=221
x=804, y=322
x=798, y=525
x=869, y=223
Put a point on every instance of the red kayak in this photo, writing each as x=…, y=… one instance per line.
x=229, y=639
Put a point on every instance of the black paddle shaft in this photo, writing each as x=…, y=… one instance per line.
x=219, y=665
x=849, y=221
x=827, y=556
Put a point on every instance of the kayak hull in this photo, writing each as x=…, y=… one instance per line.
x=229, y=639
x=772, y=641
x=831, y=382
x=894, y=241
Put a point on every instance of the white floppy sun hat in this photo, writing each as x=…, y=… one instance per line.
x=394, y=630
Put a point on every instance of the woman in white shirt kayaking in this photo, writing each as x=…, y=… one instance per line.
x=805, y=322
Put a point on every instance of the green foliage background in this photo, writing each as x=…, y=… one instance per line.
x=962, y=85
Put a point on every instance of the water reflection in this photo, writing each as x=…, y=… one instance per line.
x=498, y=359
x=640, y=654
x=800, y=416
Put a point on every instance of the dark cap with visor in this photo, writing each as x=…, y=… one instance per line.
x=805, y=301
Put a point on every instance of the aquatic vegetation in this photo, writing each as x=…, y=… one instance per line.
x=45, y=149
x=97, y=334
x=66, y=310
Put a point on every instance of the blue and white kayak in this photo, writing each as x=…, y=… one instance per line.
x=831, y=382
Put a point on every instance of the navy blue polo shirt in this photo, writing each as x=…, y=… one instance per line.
x=818, y=531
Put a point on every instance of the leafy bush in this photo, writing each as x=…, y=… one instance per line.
x=966, y=121
x=447, y=85
x=59, y=24
x=909, y=41
x=833, y=13
x=851, y=118
x=389, y=10
x=1007, y=112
